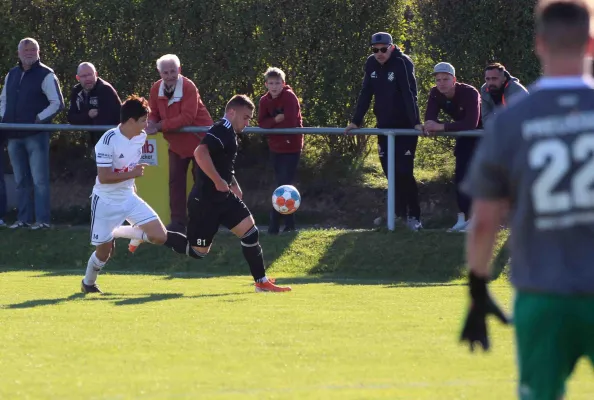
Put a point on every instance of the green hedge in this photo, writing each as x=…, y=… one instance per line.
x=225, y=45
x=471, y=34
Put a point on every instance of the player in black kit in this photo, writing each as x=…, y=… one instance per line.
x=216, y=197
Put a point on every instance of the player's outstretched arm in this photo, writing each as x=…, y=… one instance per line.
x=479, y=249
x=204, y=161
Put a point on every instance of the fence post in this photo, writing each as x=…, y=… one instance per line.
x=391, y=181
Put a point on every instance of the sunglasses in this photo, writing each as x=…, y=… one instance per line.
x=377, y=50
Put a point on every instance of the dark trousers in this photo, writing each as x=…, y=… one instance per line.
x=2, y=182
x=407, y=192
x=178, y=198
x=285, y=167
x=463, y=152
x=94, y=138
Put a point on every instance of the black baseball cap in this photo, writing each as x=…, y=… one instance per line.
x=381, y=38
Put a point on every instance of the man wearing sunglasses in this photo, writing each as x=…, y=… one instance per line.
x=390, y=77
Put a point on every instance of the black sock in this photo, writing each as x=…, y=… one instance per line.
x=177, y=242
x=255, y=259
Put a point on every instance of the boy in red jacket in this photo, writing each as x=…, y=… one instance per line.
x=279, y=108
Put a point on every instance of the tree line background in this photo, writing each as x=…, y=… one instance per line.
x=226, y=45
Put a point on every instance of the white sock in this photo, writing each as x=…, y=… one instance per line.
x=94, y=266
x=130, y=232
x=263, y=280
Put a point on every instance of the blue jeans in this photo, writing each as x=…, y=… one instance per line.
x=285, y=167
x=30, y=162
x=2, y=183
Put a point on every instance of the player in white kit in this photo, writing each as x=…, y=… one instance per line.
x=114, y=198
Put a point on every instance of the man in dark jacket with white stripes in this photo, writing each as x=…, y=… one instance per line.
x=390, y=77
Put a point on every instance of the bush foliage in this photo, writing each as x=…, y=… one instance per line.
x=226, y=45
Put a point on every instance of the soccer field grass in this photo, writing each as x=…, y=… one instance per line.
x=161, y=337
x=358, y=324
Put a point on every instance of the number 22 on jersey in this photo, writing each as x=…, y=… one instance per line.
x=556, y=158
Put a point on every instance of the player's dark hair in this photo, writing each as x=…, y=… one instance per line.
x=564, y=26
x=134, y=107
x=498, y=66
x=238, y=101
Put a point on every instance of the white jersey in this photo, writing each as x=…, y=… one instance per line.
x=116, y=151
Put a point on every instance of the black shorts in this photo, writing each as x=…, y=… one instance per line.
x=206, y=214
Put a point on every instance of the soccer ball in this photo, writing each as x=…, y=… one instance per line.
x=286, y=199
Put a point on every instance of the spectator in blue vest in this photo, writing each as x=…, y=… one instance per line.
x=31, y=94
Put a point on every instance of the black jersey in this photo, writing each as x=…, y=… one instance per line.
x=221, y=141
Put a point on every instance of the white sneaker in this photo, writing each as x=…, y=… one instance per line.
x=19, y=224
x=467, y=226
x=414, y=224
x=39, y=225
x=460, y=224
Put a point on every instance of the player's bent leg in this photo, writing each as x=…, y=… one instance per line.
x=202, y=227
x=145, y=225
x=104, y=219
x=134, y=233
x=242, y=228
x=179, y=243
x=94, y=266
x=198, y=252
x=155, y=232
x=249, y=234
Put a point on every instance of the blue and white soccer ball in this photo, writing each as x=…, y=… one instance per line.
x=286, y=199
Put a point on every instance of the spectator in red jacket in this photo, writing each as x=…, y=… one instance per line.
x=279, y=108
x=175, y=102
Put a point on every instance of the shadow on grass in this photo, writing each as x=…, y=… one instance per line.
x=116, y=299
x=45, y=302
x=356, y=257
x=360, y=282
x=401, y=257
x=65, y=251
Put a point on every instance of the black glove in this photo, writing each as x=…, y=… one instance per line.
x=475, y=326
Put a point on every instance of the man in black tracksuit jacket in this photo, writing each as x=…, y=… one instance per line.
x=389, y=76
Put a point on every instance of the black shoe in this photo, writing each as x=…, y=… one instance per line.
x=89, y=288
x=289, y=229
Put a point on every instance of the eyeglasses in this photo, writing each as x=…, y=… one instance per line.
x=377, y=50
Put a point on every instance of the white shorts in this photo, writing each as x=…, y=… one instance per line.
x=106, y=217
